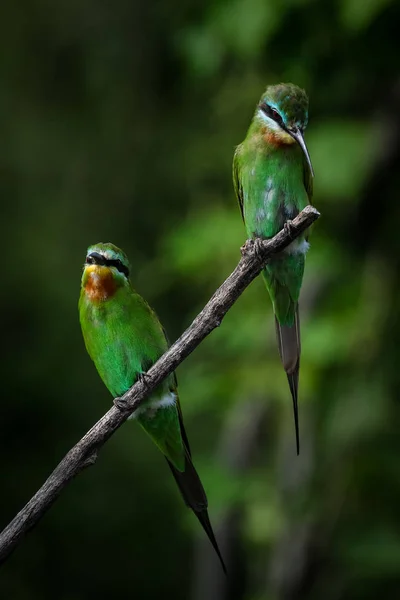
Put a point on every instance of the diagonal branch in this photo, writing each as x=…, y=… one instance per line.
x=84, y=453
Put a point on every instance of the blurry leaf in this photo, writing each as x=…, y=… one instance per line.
x=342, y=152
x=265, y=520
x=238, y=26
x=359, y=412
x=374, y=554
x=358, y=14
x=218, y=234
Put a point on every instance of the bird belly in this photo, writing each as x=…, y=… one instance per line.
x=298, y=246
x=267, y=210
x=153, y=404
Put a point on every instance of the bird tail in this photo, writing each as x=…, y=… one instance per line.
x=195, y=498
x=193, y=493
x=288, y=337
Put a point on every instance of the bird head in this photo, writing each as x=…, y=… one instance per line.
x=283, y=109
x=106, y=269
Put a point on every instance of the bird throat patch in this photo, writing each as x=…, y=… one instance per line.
x=100, y=284
x=276, y=138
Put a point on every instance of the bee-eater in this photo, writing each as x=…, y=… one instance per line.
x=124, y=338
x=273, y=179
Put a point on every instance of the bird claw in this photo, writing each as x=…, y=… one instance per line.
x=253, y=245
x=289, y=228
x=247, y=246
x=258, y=247
x=120, y=403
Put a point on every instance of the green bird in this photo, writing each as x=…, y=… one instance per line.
x=124, y=338
x=273, y=179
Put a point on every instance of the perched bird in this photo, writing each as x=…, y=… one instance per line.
x=273, y=179
x=124, y=338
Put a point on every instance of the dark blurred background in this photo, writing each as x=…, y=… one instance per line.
x=118, y=123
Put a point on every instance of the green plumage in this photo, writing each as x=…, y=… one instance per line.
x=273, y=181
x=124, y=338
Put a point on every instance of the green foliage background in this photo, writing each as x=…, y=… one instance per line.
x=118, y=123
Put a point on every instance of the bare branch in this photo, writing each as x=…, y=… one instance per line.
x=84, y=453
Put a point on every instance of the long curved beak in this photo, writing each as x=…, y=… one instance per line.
x=298, y=136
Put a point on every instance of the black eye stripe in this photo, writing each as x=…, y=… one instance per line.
x=272, y=114
x=94, y=258
x=118, y=265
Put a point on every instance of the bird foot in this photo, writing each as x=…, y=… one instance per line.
x=144, y=378
x=254, y=245
x=120, y=403
x=289, y=228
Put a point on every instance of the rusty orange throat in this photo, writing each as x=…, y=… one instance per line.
x=99, y=283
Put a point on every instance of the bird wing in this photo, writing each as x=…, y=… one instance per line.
x=236, y=179
x=309, y=185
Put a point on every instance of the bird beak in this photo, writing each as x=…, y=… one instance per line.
x=298, y=136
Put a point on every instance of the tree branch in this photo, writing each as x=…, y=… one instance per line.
x=84, y=453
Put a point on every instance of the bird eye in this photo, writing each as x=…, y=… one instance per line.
x=275, y=114
x=94, y=258
x=272, y=113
